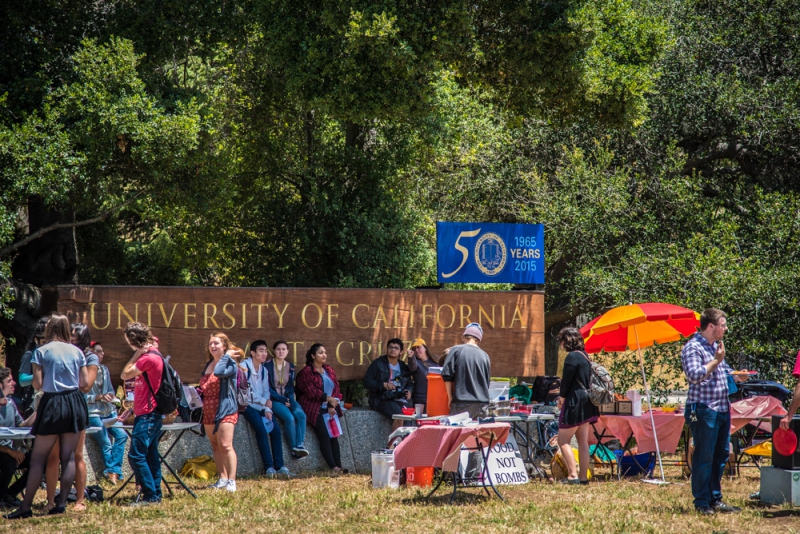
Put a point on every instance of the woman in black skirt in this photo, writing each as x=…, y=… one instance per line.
x=59, y=369
x=577, y=411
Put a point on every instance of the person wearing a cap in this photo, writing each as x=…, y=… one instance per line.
x=389, y=383
x=466, y=374
x=419, y=361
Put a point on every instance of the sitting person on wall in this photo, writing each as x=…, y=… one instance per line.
x=101, y=406
x=420, y=360
x=11, y=459
x=284, y=405
x=319, y=395
x=388, y=381
x=259, y=413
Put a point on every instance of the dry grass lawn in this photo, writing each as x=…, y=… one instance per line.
x=349, y=504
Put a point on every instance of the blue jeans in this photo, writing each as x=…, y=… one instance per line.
x=112, y=454
x=712, y=436
x=143, y=455
x=294, y=422
x=264, y=438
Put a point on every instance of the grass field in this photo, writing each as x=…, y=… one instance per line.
x=349, y=504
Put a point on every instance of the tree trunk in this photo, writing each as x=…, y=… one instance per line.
x=29, y=304
x=53, y=258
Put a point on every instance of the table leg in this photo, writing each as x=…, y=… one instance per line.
x=169, y=467
x=122, y=487
x=441, y=479
x=485, y=454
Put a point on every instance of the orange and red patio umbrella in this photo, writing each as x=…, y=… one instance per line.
x=655, y=322
x=636, y=326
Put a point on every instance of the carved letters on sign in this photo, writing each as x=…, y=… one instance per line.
x=353, y=324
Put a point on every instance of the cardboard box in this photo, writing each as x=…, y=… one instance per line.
x=611, y=407
x=624, y=407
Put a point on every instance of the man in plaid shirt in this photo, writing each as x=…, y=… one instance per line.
x=708, y=410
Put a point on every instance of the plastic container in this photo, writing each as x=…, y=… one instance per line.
x=383, y=472
x=497, y=389
x=419, y=476
x=437, y=396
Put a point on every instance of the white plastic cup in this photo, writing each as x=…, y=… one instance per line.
x=419, y=408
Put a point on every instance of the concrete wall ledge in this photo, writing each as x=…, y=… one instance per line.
x=364, y=431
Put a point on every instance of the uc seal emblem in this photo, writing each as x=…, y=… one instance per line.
x=490, y=254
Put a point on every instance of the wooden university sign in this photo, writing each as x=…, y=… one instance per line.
x=353, y=324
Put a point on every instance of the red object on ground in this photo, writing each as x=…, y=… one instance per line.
x=419, y=476
x=784, y=441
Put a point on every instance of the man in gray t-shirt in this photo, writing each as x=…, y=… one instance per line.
x=466, y=374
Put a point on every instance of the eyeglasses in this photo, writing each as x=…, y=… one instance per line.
x=394, y=347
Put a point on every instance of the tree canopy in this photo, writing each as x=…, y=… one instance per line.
x=316, y=143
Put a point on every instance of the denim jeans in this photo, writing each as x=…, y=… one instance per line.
x=271, y=456
x=143, y=454
x=712, y=435
x=112, y=453
x=294, y=422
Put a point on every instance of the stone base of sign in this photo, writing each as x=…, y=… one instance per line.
x=364, y=431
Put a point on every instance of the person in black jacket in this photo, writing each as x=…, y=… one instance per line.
x=389, y=383
x=577, y=411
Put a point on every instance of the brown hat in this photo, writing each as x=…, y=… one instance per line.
x=418, y=343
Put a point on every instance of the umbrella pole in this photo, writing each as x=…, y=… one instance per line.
x=649, y=404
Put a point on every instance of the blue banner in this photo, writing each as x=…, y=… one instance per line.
x=490, y=253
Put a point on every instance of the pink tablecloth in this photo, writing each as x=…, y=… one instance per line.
x=668, y=426
x=439, y=446
x=746, y=410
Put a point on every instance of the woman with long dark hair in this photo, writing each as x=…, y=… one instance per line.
x=577, y=411
x=59, y=369
x=319, y=394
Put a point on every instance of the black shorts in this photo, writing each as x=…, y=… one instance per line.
x=388, y=408
x=61, y=413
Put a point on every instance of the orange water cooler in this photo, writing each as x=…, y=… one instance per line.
x=437, y=396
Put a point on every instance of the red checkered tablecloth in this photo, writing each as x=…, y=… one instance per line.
x=439, y=446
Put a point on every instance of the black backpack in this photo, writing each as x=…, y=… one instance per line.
x=170, y=392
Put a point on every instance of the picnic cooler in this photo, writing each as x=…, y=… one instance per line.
x=437, y=396
x=383, y=471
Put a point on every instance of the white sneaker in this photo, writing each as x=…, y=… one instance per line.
x=231, y=485
x=221, y=483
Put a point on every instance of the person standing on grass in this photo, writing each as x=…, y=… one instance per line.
x=467, y=373
x=146, y=367
x=319, y=394
x=708, y=410
x=59, y=369
x=101, y=406
x=577, y=411
x=259, y=414
x=795, y=396
x=284, y=404
x=220, y=407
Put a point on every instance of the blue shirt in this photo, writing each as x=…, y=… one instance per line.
x=710, y=389
x=327, y=387
x=61, y=366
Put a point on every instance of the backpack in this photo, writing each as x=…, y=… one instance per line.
x=601, y=390
x=244, y=394
x=170, y=391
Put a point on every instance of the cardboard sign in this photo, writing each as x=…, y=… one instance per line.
x=505, y=463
